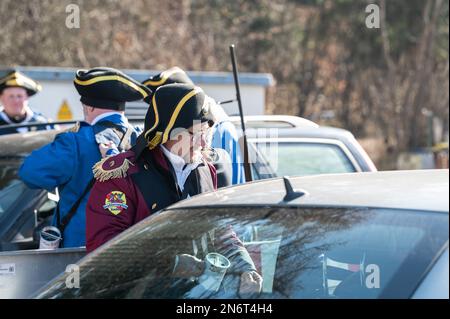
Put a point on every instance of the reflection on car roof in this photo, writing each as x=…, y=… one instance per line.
x=421, y=190
x=23, y=143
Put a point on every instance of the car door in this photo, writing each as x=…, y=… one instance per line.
x=23, y=211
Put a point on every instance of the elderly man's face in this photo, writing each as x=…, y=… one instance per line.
x=15, y=101
x=189, y=143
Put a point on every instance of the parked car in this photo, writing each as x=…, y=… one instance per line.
x=296, y=146
x=23, y=211
x=368, y=235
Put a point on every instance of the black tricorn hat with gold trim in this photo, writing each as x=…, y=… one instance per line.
x=108, y=88
x=18, y=79
x=170, y=76
x=173, y=106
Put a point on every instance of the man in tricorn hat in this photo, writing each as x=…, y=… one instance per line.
x=165, y=166
x=15, y=90
x=67, y=162
x=224, y=136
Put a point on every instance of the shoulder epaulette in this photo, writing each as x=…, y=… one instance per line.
x=115, y=166
x=75, y=128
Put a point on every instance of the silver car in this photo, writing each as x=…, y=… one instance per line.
x=368, y=235
x=297, y=146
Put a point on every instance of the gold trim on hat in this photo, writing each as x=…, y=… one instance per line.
x=112, y=78
x=156, y=140
x=156, y=117
x=164, y=76
x=8, y=77
x=178, y=108
x=20, y=80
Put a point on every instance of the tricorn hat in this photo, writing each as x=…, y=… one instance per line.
x=172, y=106
x=170, y=76
x=108, y=88
x=18, y=79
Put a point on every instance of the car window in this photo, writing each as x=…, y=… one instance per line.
x=290, y=158
x=11, y=188
x=260, y=165
x=296, y=252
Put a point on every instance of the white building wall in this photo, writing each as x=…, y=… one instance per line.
x=54, y=93
x=253, y=98
x=52, y=96
x=58, y=87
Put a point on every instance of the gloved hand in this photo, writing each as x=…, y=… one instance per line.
x=108, y=149
x=187, y=266
x=251, y=283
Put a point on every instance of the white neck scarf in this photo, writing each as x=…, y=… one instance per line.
x=182, y=171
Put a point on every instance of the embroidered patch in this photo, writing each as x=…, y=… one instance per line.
x=115, y=202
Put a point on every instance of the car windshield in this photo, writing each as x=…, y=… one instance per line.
x=11, y=188
x=297, y=252
x=298, y=158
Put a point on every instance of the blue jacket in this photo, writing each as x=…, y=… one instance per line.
x=67, y=163
x=225, y=137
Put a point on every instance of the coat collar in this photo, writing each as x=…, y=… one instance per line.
x=114, y=117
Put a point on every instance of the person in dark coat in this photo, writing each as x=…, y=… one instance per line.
x=165, y=166
x=223, y=136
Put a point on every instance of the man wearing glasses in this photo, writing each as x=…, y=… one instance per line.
x=168, y=163
x=223, y=136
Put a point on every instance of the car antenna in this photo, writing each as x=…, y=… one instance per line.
x=291, y=194
x=247, y=167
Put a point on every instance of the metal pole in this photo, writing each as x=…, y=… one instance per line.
x=247, y=170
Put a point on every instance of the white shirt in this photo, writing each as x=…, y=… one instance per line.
x=24, y=121
x=182, y=170
x=6, y=118
x=102, y=116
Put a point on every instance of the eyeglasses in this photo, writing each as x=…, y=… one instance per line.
x=200, y=135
